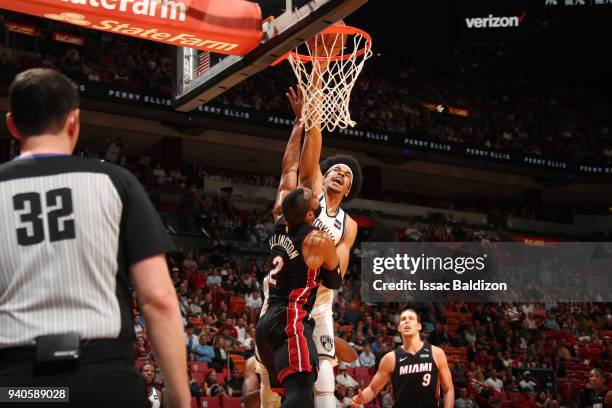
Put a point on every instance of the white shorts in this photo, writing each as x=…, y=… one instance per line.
x=323, y=336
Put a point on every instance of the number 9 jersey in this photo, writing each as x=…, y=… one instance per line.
x=415, y=379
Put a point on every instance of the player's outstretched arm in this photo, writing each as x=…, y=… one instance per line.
x=344, y=247
x=381, y=378
x=445, y=376
x=310, y=172
x=291, y=158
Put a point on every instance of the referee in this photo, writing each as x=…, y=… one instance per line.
x=74, y=231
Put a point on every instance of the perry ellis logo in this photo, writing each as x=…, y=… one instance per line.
x=492, y=21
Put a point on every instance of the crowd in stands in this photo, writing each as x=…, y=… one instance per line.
x=524, y=354
x=567, y=121
x=517, y=354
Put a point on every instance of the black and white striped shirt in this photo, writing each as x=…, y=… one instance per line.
x=70, y=229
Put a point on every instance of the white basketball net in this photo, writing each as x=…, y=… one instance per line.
x=326, y=83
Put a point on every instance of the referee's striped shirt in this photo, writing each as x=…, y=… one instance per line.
x=70, y=228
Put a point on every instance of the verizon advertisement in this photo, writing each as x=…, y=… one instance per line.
x=500, y=21
x=225, y=27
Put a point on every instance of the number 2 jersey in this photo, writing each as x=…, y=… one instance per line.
x=291, y=283
x=71, y=228
x=415, y=379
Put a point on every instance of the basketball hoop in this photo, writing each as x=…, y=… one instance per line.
x=326, y=68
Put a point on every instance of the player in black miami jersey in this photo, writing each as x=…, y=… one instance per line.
x=303, y=257
x=415, y=369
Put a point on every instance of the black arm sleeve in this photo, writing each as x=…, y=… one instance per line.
x=332, y=279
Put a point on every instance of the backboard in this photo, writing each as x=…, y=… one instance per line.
x=200, y=76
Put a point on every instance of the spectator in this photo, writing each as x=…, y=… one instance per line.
x=551, y=323
x=214, y=278
x=211, y=387
x=464, y=400
x=195, y=387
x=343, y=378
x=253, y=303
x=234, y=385
x=160, y=174
x=367, y=358
x=527, y=383
x=142, y=349
x=494, y=382
x=219, y=362
x=241, y=330
x=202, y=351
x=191, y=339
x=138, y=329
x=189, y=262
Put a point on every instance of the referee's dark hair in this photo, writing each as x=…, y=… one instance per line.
x=40, y=100
x=353, y=165
x=295, y=207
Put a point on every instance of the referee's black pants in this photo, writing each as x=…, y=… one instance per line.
x=104, y=377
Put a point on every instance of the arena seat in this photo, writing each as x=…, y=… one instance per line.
x=211, y=402
x=239, y=362
x=140, y=363
x=361, y=372
x=231, y=402
x=221, y=377
x=195, y=403
x=199, y=376
x=199, y=366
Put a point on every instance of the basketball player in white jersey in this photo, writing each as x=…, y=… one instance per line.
x=335, y=180
x=156, y=398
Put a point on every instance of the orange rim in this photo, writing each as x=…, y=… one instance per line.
x=334, y=29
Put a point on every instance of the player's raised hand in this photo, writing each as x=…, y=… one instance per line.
x=296, y=100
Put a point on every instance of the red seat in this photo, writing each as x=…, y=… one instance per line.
x=203, y=367
x=362, y=372
x=231, y=402
x=199, y=376
x=194, y=403
x=211, y=402
x=140, y=363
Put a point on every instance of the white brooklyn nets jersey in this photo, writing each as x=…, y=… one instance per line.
x=334, y=226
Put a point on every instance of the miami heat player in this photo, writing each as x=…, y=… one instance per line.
x=416, y=370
